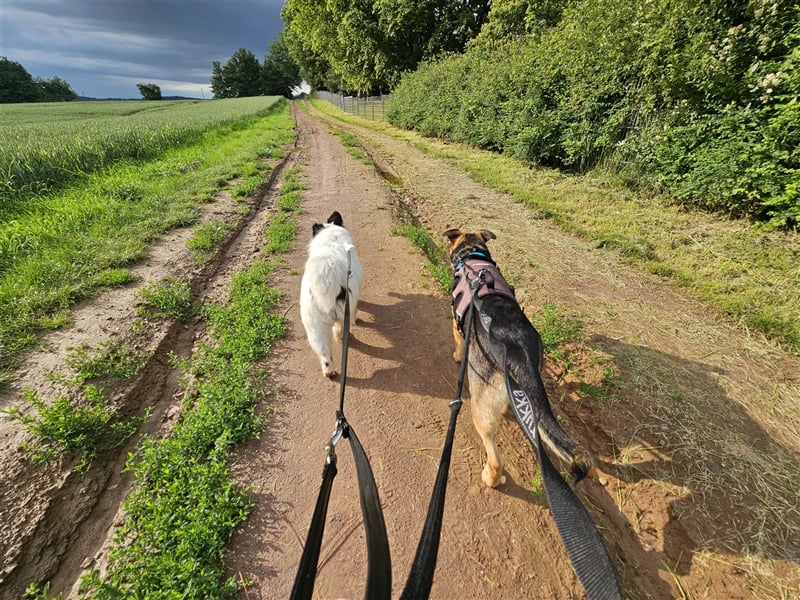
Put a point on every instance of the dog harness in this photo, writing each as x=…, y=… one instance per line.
x=476, y=266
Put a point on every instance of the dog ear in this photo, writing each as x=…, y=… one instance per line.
x=452, y=234
x=316, y=228
x=487, y=235
x=336, y=219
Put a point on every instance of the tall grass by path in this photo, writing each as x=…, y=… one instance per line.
x=56, y=251
x=744, y=271
x=47, y=146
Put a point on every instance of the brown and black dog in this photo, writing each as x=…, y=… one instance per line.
x=524, y=353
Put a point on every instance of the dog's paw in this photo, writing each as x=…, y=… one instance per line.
x=583, y=466
x=327, y=369
x=492, y=479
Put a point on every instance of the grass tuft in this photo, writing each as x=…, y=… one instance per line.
x=88, y=426
x=280, y=234
x=437, y=266
x=170, y=298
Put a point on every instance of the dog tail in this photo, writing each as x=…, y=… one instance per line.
x=525, y=366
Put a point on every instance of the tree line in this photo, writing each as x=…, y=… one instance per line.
x=697, y=100
x=241, y=76
x=17, y=85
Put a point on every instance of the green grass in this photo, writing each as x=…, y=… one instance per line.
x=185, y=505
x=206, y=238
x=280, y=234
x=66, y=245
x=438, y=267
x=291, y=192
x=114, y=277
x=47, y=146
x=745, y=272
x=556, y=329
x=109, y=360
x=83, y=421
x=170, y=298
x=86, y=425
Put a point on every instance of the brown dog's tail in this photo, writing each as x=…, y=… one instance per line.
x=523, y=361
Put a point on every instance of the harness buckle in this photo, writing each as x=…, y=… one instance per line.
x=475, y=284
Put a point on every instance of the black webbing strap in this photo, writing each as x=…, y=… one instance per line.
x=307, y=571
x=583, y=543
x=420, y=579
x=379, y=564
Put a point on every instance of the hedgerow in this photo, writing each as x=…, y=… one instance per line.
x=698, y=100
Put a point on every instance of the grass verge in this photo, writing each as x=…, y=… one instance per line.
x=436, y=264
x=184, y=505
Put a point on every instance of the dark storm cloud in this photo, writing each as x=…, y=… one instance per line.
x=103, y=48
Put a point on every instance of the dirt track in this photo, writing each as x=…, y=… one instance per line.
x=495, y=543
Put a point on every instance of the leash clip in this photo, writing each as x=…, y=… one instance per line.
x=336, y=435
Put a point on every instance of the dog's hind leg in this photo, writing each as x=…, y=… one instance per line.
x=319, y=338
x=458, y=353
x=487, y=405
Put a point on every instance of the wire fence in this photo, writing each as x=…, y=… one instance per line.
x=368, y=107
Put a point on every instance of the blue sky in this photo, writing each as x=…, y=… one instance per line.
x=103, y=48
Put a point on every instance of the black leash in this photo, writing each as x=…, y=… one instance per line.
x=583, y=543
x=420, y=579
x=379, y=564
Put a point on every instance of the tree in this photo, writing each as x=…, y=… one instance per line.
x=515, y=18
x=149, y=91
x=16, y=84
x=239, y=77
x=55, y=90
x=370, y=43
x=280, y=74
x=218, y=84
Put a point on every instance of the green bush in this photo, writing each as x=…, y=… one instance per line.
x=696, y=99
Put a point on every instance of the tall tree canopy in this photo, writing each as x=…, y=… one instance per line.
x=367, y=44
x=244, y=76
x=240, y=77
x=280, y=74
x=149, y=91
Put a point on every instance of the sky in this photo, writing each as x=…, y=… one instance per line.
x=103, y=48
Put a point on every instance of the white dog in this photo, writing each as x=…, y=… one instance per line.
x=324, y=285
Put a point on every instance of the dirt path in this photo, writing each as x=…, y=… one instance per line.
x=400, y=379
x=678, y=368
